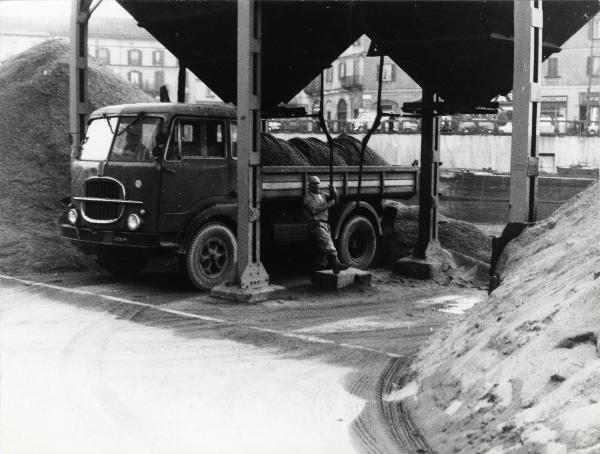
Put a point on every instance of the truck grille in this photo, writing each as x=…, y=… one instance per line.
x=101, y=211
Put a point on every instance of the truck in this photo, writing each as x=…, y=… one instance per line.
x=160, y=179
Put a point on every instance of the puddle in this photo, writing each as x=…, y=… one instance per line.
x=357, y=324
x=454, y=304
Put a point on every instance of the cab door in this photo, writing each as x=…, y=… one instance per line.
x=195, y=170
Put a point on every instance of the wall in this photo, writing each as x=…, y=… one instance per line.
x=479, y=152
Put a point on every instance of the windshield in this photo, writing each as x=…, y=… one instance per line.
x=99, y=135
x=134, y=139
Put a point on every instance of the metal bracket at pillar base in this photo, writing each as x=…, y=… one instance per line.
x=254, y=276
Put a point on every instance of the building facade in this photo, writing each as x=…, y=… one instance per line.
x=119, y=44
x=570, y=87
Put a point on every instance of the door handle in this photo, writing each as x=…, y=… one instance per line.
x=167, y=170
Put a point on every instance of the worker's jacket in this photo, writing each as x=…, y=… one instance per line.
x=316, y=206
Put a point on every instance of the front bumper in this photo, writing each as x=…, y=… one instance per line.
x=87, y=238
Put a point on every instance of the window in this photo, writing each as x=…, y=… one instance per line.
x=196, y=139
x=159, y=79
x=593, y=68
x=329, y=74
x=134, y=57
x=595, y=28
x=342, y=69
x=233, y=132
x=158, y=58
x=135, y=77
x=389, y=72
x=103, y=56
x=552, y=68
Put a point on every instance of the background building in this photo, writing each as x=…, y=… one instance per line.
x=118, y=43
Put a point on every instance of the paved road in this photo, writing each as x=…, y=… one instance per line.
x=92, y=365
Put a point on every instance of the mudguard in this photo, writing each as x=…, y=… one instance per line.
x=349, y=208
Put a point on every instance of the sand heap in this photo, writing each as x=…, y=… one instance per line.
x=470, y=248
x=314, y=152
x=521, y=373
x=34, y=154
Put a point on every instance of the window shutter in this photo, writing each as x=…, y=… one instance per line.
x=393, y=72
x=589, y=66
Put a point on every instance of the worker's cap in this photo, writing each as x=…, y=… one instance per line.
x=314, y=180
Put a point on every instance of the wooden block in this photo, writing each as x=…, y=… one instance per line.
x=327, y=279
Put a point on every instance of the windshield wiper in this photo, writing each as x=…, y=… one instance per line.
x=107, y=118
x=137, y=119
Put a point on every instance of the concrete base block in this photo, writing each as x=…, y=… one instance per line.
x=241, y=295
x=415, y=267
x=327, y=279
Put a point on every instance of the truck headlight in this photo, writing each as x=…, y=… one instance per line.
x=72, y=216
x=133, y=222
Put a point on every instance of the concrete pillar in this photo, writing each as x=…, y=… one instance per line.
x=524, y=162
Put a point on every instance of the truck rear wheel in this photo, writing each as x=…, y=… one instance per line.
x=211, y=255
x=119, y=262
x=357, y=242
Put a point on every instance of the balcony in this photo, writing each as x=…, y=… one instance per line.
x=354, y=82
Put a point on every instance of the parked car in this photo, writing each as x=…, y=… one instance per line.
x=361, y=123
x=467, y=127
x=484, y=126
x=505, y=128
x=409, y=126
x=547, y=125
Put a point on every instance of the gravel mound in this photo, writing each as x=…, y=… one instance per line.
x=349, y=150
x=34, y=154
x=458, y=236
x=521, y=372
x=316, y=151
x=277, y=152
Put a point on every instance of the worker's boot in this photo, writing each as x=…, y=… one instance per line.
x=336, y=265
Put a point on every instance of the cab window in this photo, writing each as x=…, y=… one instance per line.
x=196, y=139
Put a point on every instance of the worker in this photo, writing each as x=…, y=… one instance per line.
x=134, y=149
x=316, y=206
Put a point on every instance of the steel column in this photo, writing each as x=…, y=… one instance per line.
x=181, y=82
x=79, y=107
x=524, y=161
x=428, y=176
x=250, y=271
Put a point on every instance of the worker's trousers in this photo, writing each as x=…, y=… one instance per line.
x=321, y=234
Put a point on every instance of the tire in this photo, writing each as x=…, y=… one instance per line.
x=121, y=263
x=211, y=255
x=357, y=242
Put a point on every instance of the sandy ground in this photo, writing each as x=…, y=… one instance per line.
x=152, y=367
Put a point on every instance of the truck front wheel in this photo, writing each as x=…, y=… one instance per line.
x=357, y=242
x=211, y=255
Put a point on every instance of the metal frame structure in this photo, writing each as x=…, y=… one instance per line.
x=524, y=161
x=250, y=273
x=78, y=72
x=428, y=176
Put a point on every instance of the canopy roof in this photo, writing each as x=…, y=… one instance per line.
x=462, y=50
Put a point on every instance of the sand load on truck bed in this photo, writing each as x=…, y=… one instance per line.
x=34, y=152
x=314, y=152
x=521, y=372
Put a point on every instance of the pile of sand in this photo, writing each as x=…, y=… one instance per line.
x=314, y=152
x=521, y=373
x=34, y=154
x=469, y=248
